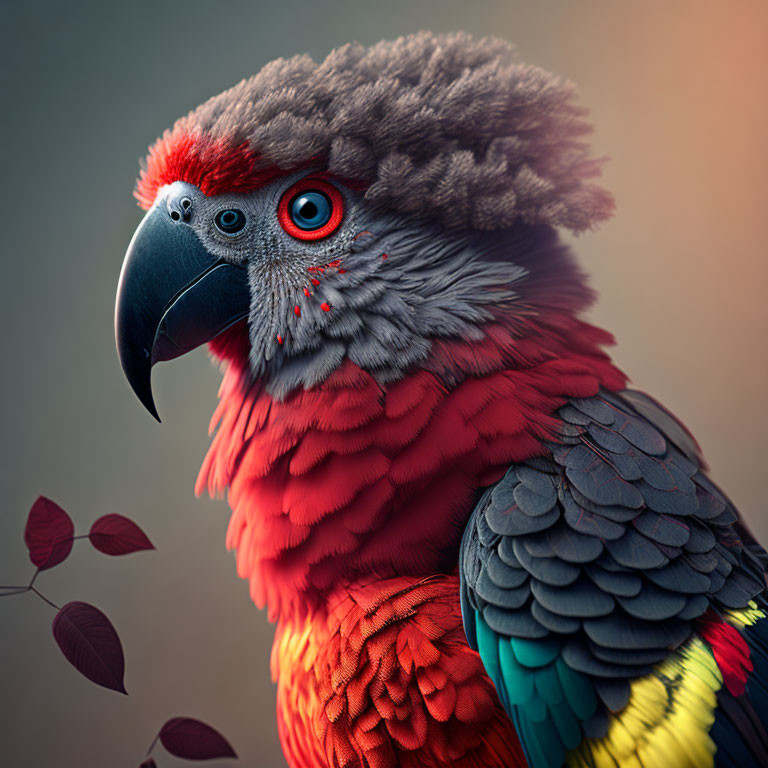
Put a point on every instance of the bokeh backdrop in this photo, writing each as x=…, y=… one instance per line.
x=678, y=92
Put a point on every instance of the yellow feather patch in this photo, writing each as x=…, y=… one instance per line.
x=667, y=719
x=744, y=617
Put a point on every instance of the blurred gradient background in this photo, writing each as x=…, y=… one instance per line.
x=678, y=92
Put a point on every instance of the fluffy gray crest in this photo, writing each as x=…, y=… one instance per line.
x=445, y=125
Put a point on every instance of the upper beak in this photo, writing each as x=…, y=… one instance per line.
x=173, y=295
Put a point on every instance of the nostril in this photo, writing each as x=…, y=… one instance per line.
x=180, y=207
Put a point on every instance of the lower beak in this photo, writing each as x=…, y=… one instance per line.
x=173, y=296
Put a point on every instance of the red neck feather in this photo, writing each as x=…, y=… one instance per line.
x=354, y=478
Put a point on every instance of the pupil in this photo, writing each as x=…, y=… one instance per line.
x=309, y=210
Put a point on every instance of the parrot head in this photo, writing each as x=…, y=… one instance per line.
x=370, y=246
x=357, y=209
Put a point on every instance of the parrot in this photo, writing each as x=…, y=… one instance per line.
x=479, y=546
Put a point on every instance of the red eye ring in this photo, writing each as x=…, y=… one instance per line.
x=320, y=185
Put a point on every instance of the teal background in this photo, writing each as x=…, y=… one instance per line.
x=679, y=94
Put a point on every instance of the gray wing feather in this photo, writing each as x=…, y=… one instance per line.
x=613, y=545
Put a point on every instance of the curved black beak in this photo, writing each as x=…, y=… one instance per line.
x=172, y=296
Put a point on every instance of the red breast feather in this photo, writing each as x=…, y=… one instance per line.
x=352, y=477
x=387, y=679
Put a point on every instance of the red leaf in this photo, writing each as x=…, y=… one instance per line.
x=117, y=535
x=90, y=643
x=194, y=740
x=48, y=534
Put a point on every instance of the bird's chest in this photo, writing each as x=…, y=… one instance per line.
x=382, y=677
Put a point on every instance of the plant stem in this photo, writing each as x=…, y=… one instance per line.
x=18, y=589
x=43, y=597
x=152, y=745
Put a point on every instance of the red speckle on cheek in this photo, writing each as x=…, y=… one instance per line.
x=279, y=339
x=319, y=270
x=385, y=256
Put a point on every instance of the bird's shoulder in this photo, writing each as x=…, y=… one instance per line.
x=589, y=565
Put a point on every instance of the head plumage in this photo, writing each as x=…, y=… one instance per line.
x=449, y=126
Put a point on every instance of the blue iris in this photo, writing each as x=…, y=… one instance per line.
x=311, y=210
x=230, y=221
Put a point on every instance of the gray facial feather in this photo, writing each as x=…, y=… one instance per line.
x=399, y=282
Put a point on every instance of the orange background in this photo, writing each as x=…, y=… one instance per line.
x=679, y=94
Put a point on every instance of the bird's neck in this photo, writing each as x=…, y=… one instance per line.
x=356, y=479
